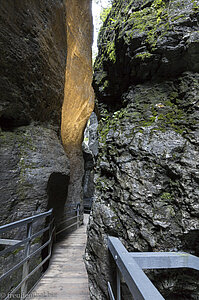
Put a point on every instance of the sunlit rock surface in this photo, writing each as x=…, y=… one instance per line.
x=33, y=61
x=79, y=96
x=45, y=64
x=146, y=80
x=34, y=169
x=45, y=61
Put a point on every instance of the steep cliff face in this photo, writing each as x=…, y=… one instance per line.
x=79, y=97
x=34, y=168
x=33, y=61
x=42, y=88
x=45, y=64
x=146, y=79
x=145, y=40
x=90, y=152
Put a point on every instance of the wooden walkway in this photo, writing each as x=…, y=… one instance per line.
x=66, y=277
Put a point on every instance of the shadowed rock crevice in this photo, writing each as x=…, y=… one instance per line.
x=57, y=189
x=9, y=123
x=90, y=152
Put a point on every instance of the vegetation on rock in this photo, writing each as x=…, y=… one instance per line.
x=146, y=81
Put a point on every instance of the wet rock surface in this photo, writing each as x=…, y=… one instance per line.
x=147, y=171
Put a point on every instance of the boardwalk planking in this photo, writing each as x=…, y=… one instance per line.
x=66, y=277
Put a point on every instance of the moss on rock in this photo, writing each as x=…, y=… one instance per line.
x=141, y=40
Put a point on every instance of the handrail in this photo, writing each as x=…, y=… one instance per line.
x=77, y=223
x=26, y=242
x=131, y=264
x=138, y=283
x=165, y=260
x=20, y=243
x=24, y=221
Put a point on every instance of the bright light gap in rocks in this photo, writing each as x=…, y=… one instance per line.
x=97, y=8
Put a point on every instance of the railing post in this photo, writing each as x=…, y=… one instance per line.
x=78, y=215
x=110, y=292
x=49, y=247
x=118, y=285
x=26, y=264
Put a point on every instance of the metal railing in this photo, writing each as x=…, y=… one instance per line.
x=88, y=204
x=63, y=225
x=28, y=257
x=130, y=266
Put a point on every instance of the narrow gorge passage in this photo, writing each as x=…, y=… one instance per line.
x=66, y=277
x=141, y=175
x=46, y=99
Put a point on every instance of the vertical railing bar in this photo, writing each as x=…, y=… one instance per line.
x=32, y=272
x=26, y=264
x=110, y=292
x=138, y=283
x=118, y=285
x=51, y=236
x=78, y=215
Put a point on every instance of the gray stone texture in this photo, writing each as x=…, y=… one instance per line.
x=33, y=61
x=90, y=151
x=34, y=168
x=147, y=184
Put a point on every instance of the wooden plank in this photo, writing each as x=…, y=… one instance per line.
x=66, y=276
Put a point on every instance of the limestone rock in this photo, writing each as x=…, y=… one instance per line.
x=33, y=162
x=147, y=171
x=90, y=151
x=33, y=59
x=39, y=59
x=36, y=76
x=79, y=96
x=144, y=40
x=34, y=167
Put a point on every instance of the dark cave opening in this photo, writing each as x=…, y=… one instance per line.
x=9, y=123
x=57, y=189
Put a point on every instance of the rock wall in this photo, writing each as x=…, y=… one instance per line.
x=90, y=152
x=146, y=80
x=45, y=93
x=42, y=89
x=79, y=97
x=34, y=167
x=33, y=61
